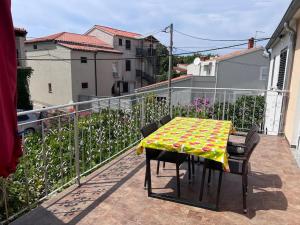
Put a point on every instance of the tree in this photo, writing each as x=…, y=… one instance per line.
x=23, y=100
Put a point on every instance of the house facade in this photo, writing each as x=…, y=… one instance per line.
x=284, y=78
x=244, y=69
x=139, y=68
x=72, y=66
x=20, y=36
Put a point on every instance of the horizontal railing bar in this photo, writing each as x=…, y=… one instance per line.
x=84, y=102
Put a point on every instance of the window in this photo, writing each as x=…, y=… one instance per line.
x=23, y=118
x=49, y=87
x=128, y=65
x=84, y=85
x=120, y=42
x=264, y=73
x=282, y=65
x=83, y=59
x=128, y=44
x=34, y=46
x=115, y=69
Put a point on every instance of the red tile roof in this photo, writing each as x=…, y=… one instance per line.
x=76, y=41
x=88, y=48
x=236, y=53
x=182, y=77
x=117, y=32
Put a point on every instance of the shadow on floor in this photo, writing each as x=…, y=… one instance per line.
x=264, y=191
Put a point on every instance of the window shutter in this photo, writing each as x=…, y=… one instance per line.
x=282, y=67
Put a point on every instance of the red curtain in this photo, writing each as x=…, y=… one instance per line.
x=10, y=148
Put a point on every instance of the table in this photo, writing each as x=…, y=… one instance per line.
x=206, y=138
x=200, y=137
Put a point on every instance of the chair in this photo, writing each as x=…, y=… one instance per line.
x=237, y=164
x=166, y=119
x=234, y=148
x=164, y=156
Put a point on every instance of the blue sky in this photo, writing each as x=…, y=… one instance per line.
x=217, y=19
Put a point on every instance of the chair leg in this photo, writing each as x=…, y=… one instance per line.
x=178, y=180
x=244, y=182
x=189, y=168
x=202, y=181
x=219, y=189
x=145, y=182
x=149, y=176
x=157, y=169
x=209, y=177
x=193, y=165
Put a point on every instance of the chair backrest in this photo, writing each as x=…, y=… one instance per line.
x=165, y=119
x=251, y=144
x=253, y=130
x=149, y=129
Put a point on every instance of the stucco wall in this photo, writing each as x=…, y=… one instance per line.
x=58, y=73
x=242, y=71
x=21, y=50
x=102, y=35
x=293, y=110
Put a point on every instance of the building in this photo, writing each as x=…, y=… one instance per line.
x=180, y=68
x=140, y=53
x=20, y=36
x=72, y=67
x=284, y=78
x=245, y=69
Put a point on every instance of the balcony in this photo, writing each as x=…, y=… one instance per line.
x=145, y=76
x=81, y=168
x=145, y=52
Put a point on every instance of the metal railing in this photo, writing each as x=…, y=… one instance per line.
x=69, y=141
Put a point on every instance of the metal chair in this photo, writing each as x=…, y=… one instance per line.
x=234, y=148
x=164, y=156
x=166, y=119
x=237, y=164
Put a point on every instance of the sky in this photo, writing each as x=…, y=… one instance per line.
x=214, y=19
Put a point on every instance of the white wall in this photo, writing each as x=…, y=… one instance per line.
x=58, y=73
x=274, y=100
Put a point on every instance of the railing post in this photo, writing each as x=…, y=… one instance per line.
x=5, y=197
x=44, y=152
x=224, y=104
x=170, y=104
x=143, y=112
x=76, y=145
x=26, y=171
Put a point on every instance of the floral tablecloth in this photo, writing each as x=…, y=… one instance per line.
x=200, y=137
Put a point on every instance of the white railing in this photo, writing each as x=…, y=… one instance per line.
x=70, y=141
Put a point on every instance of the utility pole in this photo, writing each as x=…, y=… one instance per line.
x=170, y=65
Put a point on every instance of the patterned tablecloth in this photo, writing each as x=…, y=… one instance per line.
x=200, y=137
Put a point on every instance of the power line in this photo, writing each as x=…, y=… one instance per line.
x=209, y=39
x=128, y=58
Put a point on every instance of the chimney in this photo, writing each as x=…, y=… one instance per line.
x=251, y=43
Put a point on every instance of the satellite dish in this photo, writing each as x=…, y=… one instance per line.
x=197, y=61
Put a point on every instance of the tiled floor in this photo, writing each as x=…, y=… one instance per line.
x=115, y=194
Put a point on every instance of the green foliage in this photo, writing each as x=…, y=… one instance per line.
x=23, y=97
x=49, y=157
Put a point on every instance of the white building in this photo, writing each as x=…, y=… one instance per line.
x=140, y=53
x=20, y=36
x=71, y=67
x=244, y=69
x=284, y=77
